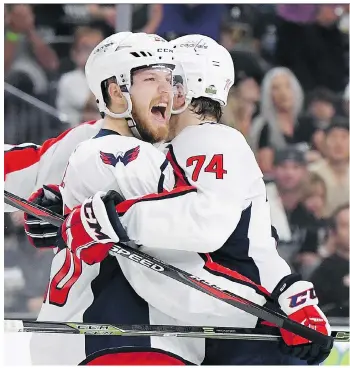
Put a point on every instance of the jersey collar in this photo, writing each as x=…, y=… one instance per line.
x=105, y=132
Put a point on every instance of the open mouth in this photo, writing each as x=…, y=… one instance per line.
x=159, y=111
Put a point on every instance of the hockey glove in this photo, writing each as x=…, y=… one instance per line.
x=90, y=229
x=40, y=233
x=298, y=300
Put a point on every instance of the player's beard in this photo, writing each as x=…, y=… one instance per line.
x=149, y=131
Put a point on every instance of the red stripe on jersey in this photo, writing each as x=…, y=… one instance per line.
x=219, y=269
x=218, y=293
x=180, y=177
x=22, y=157
x=125, y=205
x=59, y=295
x=16, y=160
x=66, y=210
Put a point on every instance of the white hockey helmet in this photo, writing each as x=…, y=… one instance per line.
x=208, y=68
x=117, y=56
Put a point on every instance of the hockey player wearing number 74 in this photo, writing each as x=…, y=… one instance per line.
x=227, y=216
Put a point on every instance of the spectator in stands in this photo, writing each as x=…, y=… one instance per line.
x=322, y=107
x=242, y=104
x=151, y=17
x=264, y=30
x=227, y=38
x=315, y=52
x=181, y=19
x=279, y=123
x=73, y=91
x=104, y=12
x=295, y=225
x=28, y=59
x=248, y=63
x=334, y=168
x=314, y=196
x=58, y=22
x=331, y=278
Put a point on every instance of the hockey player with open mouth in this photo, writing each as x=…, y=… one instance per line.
x=131, y=77
x=226, y=215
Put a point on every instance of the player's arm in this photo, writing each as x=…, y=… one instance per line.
x=135, y=172
x=201, y=216
x=20, y=169
x=186, y=218
x=201, y=220
x=228, y=185
x=138, y=170
x=28, y=166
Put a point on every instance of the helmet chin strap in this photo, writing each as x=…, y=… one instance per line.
x=133, y=127
x=127, y=115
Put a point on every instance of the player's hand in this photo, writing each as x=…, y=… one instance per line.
x=89, y=230
x=298, y=300
x=40, y=233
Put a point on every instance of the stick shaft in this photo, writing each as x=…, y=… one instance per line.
x=265, y=334
x=185, y=278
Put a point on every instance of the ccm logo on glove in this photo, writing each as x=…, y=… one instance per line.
x=92, y=221
x=301, y=298
x=87, y=230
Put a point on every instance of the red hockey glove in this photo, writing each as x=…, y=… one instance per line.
x=40, y=233
x=89, y=230
x=298, y=300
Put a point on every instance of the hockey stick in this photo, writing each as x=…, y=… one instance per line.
x=186, y=278
x=266, y=334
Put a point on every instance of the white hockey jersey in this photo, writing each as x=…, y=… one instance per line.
x=201, y=153
x=107, y=161
x=228, y=216
x=28, y=166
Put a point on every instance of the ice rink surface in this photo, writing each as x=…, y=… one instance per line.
x=16, y=348
x=16, y=351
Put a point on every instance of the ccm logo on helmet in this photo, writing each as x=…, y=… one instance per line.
x=165, y=50
x=301, y=298
x=92, y=222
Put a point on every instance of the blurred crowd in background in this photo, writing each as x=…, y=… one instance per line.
x=290, y=100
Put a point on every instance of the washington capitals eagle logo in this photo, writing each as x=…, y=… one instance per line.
x=125, y=158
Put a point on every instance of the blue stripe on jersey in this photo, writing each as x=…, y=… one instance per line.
x=234, y=253
x=115, y=302
x=162, y=177
x=104, y=132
